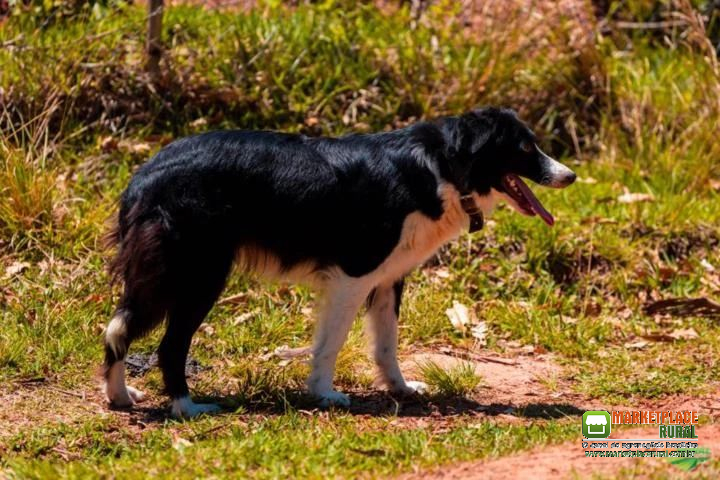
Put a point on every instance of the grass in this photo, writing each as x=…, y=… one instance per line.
x=293, y=445
x=628, y=110
x=457, y=381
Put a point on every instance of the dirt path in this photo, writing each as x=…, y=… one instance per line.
x=568, y=461
x=518, y=389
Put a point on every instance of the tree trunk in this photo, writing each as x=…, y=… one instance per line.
x=153, y=46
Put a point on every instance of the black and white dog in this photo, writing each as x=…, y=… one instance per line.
x=350, y=216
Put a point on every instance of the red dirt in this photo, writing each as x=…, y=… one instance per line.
x=568, y=461
x=518, y=380
x=519, y=389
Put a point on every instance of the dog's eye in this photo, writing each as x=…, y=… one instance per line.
x=526, y=147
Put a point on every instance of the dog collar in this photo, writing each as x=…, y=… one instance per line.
x=467, y=202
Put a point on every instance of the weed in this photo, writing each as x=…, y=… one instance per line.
x=456, y=381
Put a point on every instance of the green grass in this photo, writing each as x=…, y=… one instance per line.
x=293, y=445
x=625, y=110
x=457, y=381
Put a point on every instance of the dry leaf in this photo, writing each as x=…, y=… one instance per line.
x=479, y=331
x=234, y=299
x=459, y=316
x=701, y=306
x=108, y=144
x=637, y=345
x=139, y=148
x=181, y=444
x=666, y=273
x=15, y=268
x=628, y=197
x=245, y=317
x=707, y=265
x=588, y=180
x=198, y=123
x=684, y=334
x=598, y=220
x=441, y=272
x=528, y=349
x=540, y=350
x=658, y=337
x=208, y=330
x=286, y=353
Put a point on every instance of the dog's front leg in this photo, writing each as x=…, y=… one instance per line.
x=382, y=315
x=341, y=303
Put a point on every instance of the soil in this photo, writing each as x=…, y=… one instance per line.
x=517, y=389
x=568, y=461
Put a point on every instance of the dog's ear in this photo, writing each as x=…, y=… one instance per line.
x=483, y=125
x=465, y=137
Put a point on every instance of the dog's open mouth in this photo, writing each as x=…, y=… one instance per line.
x=525, y=199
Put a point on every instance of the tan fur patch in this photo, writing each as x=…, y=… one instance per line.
x=422, y=236
x=252, y=259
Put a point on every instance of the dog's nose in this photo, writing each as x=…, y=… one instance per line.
x=555, y=174
x=569, y=178
x=562, y=177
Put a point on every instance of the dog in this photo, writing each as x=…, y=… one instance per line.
x=350, y=216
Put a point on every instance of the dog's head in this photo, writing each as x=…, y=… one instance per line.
x=488, y=151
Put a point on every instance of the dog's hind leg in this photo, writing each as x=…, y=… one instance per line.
x=341, y=304
x=194, y=299
x=140, y=264
x=383, y=309
x=128, y=323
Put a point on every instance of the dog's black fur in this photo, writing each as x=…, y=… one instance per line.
x=335, y=202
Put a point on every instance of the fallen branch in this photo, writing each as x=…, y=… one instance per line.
x=662, y=25
x=701, y=307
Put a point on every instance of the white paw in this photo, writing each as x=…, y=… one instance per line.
x=411, y=388
x=333, y=398
x=136, y=395
x=118, y=397
x=185, y=408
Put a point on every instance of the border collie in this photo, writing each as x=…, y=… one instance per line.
x=350, y=216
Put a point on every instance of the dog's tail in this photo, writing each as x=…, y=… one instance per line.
x=140, y=238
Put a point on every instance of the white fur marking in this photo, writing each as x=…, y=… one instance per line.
x=116, y=390
x=415, y=387
x=184, y=407
x=115, y=332
x=336, y=314
x=383, y=329
x=334, y=398
x=137, y=395
x=555, y=173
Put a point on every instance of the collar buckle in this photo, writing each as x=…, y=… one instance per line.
x=477, y=221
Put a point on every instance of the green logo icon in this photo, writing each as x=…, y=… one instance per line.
x=596, y=424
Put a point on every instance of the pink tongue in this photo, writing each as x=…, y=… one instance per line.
x=534, y=202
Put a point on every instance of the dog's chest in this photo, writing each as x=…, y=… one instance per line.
x=420, y=238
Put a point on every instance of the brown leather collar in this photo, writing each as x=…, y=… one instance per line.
x=467, y=202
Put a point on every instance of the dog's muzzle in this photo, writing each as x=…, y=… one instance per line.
x=553, y=173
